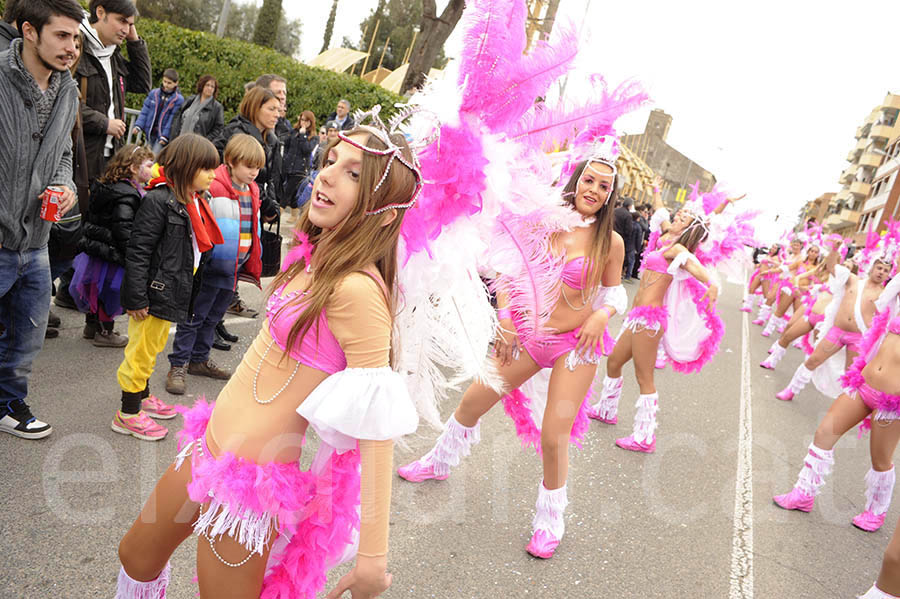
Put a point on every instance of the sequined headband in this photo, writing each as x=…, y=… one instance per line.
x=383, y=133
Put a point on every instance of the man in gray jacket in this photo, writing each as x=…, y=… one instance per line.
x=38, y=104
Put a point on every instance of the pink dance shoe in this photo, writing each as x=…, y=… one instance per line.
x=759, y=321
x=631, y=444
x=418, y=471
x=795, y=500
x=785, y=394
x=593, y=412
x=782, y=327
x=746, y=309
x=868, y=521
x=766, y=332
x=542, y=544
x=660, y=363
x=767, y=364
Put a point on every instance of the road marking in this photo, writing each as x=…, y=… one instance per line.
x=742, y=541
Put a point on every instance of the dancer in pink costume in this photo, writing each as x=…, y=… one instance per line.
x=847, y=317
x=774, y=272
x=266, y=527
x=675, y=306
x=791, y=290
x=554, y=261
x=762, y=280
x=871, y=397
x=887, y=586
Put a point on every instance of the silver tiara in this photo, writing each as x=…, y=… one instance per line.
x=384, y=132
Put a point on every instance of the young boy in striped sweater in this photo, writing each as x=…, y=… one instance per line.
x=235, y=205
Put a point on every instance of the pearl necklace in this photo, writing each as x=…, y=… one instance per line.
x=256, y=378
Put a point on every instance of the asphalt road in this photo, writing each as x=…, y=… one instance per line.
x=664, y=525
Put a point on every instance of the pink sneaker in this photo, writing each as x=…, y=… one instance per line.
x=868, y=521
x=785, y=394
x=594, y=413
x=631, y=445
x=660, y=363
x=766, y=332
x=795, y=500
x=542, y=544
x=746, y=309
x=766, y=364
x=418, y=471
x=759, y=321
x=139, y=425
x=157, y=408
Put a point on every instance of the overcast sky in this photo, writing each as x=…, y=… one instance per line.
x=767, y=94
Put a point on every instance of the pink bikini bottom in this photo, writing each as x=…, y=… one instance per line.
x=813, y=318
x=647, y=318
x=839, y=336
x=546, y=350
x=878, y=400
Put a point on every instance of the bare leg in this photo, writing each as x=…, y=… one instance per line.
x=824, y=350
x=566, y=394
x=643, y=347
x=883, y=442
x=164, y=523
x=783, y=304
x=796, y=329
x=621, y=355
x=889, y=578
x=479, y=398
x=844, y=413
x=220, y=580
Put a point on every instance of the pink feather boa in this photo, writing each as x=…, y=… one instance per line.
x=853, y=379
x=710, y=346
x=319, y=512
x=456, y=181
x=518, y=407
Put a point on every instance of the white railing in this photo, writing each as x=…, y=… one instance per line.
x=131, y=116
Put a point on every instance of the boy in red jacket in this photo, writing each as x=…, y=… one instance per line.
x=235, y=205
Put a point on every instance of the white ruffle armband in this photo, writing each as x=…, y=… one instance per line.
x=360, y=403
x=679, y=261
x=616, y=297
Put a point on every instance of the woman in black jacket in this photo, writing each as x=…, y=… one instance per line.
x=257, y=117
x=99, y=267
x=297, y=152
x=201, y=113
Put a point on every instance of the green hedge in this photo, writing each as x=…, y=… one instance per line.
x=233, y=63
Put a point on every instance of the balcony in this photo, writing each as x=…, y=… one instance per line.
x=860, y=188
x=848, y=175
x=863, y=143
x=870, y=159
x=855, y=153
x=844, y=219
x=892, y=101
x=885, y=132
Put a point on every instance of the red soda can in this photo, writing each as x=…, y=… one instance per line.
x=50, y=204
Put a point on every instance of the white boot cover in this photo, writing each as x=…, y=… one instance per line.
x=455, y=442
x=128, y=588
x=549, y=511
x=645, y=418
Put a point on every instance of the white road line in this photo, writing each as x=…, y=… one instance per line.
x=742, y=542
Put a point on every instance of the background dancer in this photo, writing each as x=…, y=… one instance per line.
x=589, y=293
x=872, y=393
x=790, y=293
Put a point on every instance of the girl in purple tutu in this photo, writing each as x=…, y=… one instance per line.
x=100, y=265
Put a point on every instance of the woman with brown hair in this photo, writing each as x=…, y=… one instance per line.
x=201, y=113
x=322, y=359
x=589, y=259
x=297, y=152
x=257, y=116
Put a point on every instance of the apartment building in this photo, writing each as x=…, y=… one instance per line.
x=851, y=203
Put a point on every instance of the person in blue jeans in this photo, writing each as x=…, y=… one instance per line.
x=235, y=206
x=39, y=100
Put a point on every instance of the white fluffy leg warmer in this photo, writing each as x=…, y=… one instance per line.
x=801, y=379
x=645, y=418
x=879, y=490
x=128, y=588
x=549, y=511
x=608, y=406
x=454, y=443
x=816, y=467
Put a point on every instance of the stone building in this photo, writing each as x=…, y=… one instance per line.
x=677, y=170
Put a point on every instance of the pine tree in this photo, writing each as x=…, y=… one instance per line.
x=329, y=27
x=266, y=32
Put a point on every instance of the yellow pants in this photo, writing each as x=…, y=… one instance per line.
x=146, y=339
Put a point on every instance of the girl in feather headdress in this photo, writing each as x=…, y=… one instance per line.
x=586, y=264
x=266, y=527
x=675, y=308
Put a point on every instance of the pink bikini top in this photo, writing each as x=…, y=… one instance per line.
x=573, y=273
x=656, y=262
x=318, y=348
x=894, y=325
